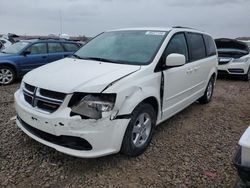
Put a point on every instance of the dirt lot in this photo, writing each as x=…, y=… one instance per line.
x=194, y=148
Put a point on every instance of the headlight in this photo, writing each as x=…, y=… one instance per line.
x=92, y=105
x=240, y=60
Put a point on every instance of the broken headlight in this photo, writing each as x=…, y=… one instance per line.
x=240, y=60
x=93, y=105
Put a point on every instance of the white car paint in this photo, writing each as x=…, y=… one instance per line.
x=5, y=42
x=236, y=65
x=131, y=83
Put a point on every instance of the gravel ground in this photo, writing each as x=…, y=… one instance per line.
x=195, y=148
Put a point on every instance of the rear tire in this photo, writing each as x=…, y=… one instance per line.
x=139, y=131
x=7, y=75
x=246, y=77
x=206, y=98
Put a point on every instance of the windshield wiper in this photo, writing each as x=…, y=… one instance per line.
x=77, y=56
x=101, y=59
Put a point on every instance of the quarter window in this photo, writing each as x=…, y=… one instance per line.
x=177, y=45
x=210, y=45
x=38, y=48
x=55, y=47
x=197, y=46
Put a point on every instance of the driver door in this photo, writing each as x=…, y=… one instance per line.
x=178, y=81
x=37, y=57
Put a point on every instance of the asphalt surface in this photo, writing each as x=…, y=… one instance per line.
x=195, y=148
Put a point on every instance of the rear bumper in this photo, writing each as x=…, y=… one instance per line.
x=62, y=132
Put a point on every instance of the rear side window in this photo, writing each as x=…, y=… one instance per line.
x=70, y=47
x=55, y=47
x=197, y=46
x=210, y=45
x=177, y=45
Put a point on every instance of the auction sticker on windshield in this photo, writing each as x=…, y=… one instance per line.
x=155, y=33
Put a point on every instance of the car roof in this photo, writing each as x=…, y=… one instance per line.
x=166, y=29
x=47, y=40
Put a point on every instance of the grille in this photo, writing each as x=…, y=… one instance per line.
x=223, y=62
x=46, y=100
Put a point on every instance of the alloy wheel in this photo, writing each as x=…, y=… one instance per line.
x=141, y=129
x=6, y=76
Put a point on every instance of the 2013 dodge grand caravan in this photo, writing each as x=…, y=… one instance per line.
x=110, y=95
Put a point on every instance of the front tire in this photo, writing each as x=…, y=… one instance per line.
x=139, y=131
x=206, y=98
x=7, y=75
x=246, y=77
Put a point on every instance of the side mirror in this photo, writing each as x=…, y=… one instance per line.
x=175, y=60
x=26, y=53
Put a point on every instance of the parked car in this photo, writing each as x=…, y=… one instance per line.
x=234, y=58
x=7, y=40
x=4, y=43
x=23, y=56
x=242, y=158
x=110, y=95
x=247, y=42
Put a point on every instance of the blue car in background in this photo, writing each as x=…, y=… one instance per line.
x=23, y=56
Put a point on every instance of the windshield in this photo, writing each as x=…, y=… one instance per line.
x=248, y=43
x=15, y=48
x=128, y=47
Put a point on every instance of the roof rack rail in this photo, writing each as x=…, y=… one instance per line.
x=50, y=38
x=183, y=27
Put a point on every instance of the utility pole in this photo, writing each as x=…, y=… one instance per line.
x=60, y=12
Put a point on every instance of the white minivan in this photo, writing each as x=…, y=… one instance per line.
x=110, y=95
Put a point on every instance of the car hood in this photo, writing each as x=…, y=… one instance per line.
x=3, y=55
x=74, y=75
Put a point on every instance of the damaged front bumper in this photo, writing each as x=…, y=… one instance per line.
x=74, y=136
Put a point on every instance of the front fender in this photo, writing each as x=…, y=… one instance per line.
x=10, y=63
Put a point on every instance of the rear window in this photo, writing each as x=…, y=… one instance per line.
x=210, y=45
x=70, y=47
x=197, y=46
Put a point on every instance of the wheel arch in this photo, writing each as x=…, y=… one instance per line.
x=10, y=65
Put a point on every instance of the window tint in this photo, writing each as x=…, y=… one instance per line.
x=55, y=47
x=70, y=47
x=210, y=46
x=197, y=47
x=39, y=48
x=177, y=45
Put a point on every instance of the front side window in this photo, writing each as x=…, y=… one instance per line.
x=39, y=48
x=177, y=45
x=16, y=47
x=197, y=46
x=55, y=47
x=127, y=47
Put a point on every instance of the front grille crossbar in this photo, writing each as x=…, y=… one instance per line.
x=46, y=100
